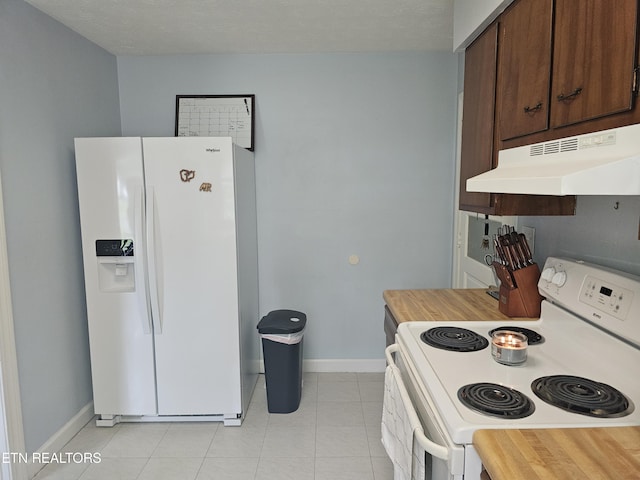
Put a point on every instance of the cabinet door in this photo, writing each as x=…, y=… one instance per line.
x=591, y=77
x=478, y=116
x=524, y=75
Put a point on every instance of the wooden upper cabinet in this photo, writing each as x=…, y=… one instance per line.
x=545, y=69
x=478, y=116
x=593, y=59
x=524, y=76
x=478, y=151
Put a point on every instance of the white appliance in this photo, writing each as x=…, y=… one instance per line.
x=590, y=336
x=599, y=163
x=170, y=262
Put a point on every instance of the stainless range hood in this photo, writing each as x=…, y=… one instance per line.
x=601, y=163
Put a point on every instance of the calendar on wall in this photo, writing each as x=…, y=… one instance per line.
x=216, y=116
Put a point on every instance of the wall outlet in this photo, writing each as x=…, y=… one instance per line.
x=530, y=234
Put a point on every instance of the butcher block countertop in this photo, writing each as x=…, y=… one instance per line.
x=557, y=454
x=527, y=454
x=443, y=304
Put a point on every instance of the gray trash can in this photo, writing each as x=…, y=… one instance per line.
x=282, y=333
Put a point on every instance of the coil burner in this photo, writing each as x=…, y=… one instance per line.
x=533, y=338
x=581, y=395
x=496, y=400
x=454, y=339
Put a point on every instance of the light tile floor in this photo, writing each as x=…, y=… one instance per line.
x=334, y=435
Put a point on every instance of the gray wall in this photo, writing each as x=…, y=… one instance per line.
x=54, y=85
x=354, y=155
x=598, y=233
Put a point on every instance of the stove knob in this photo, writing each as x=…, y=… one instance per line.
x=559, y=279
x=548, y=273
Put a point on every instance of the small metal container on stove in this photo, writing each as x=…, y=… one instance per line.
x=508, y=347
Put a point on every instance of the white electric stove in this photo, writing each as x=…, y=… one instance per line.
x=582, y=361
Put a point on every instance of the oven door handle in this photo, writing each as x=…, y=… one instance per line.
x=427, y=444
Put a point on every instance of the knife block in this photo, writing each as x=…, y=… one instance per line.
x=523, y=300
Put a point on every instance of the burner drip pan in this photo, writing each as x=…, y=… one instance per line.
x=496, y=400
x=533, y=338
x=455, y=339
x=581, y=395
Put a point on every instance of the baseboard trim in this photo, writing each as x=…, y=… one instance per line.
x=59, y=439
x=366, y=365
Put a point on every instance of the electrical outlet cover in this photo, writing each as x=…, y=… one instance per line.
x=530, y=234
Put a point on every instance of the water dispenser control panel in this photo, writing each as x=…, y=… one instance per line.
x=114, y=248
x=116, y=265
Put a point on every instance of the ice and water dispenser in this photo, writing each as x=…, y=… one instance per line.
x=115, y=265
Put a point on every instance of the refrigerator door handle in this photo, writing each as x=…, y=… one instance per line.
x=139, y=264
x=155, y=264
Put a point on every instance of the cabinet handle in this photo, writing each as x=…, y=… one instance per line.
x=567, y=98
x=533, y=110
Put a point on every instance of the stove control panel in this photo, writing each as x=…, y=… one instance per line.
x=604, y=296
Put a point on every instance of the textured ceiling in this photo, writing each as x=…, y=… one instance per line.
x=158, y=27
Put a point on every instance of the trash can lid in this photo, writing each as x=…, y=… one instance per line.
x=282, y=321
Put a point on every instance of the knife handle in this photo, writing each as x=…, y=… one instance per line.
x=499, y=250
x=514, y=261
x=527, y=250
x=504, y=245
x=517, y=249
x=521, y=254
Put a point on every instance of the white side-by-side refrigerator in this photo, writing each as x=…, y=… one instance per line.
x=171, y=274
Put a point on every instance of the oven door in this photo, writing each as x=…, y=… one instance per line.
x=444, y=460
